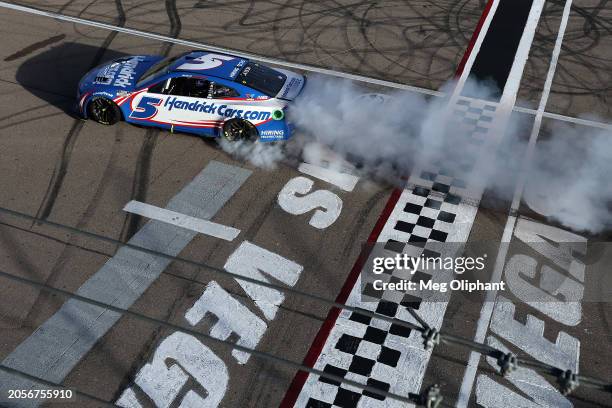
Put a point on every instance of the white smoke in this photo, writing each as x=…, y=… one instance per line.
x=364, y=128
x=569, y=180
x=385, y=136
x=259, y=154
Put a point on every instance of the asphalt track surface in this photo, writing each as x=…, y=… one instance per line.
x=79, y=174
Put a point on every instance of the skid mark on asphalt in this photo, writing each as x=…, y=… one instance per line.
x=33, y=47
x=161, y=383
x=61, y=167
x=140, y=182
x=57, y=178
x=43, y=302
x=440, y=206
x=143, y=163
x=53, y=350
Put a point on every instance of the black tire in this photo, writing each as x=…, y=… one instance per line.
x=103, y=111
x=237, y=129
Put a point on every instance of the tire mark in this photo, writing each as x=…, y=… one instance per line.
x=143, y=163
x=66, y=242
x=418, y=43
x=34, y=47
x=61, y=167
x=30, y=120
x=44, y=301
x=583, y=50
x=140, y=182
x=65, y=6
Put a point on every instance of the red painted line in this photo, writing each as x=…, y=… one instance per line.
x=317, y=345
x=327, y=326
x=211, y=125
x=201, y=122
x=475, y=35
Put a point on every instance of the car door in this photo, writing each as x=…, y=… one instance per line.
x=143, y=106
x=179, y=103
x=232, y=104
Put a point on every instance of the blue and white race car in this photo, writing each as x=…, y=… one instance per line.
x=198, y=92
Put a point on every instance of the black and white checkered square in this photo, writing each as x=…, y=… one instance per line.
x=474, y=116
x=368, y=350
x=365, y=355
x=468, y=126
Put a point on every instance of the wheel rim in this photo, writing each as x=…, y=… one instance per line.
x=101, y=110
x=237, y=130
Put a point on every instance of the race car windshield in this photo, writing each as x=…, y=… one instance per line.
x=157, y=68
x=262, y=78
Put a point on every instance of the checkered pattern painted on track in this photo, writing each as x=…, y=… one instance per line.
x=387, y=356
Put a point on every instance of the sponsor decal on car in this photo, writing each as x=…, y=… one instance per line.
x=237, y=69
x=212, y=108
x=239, y=113
x=126, y=74
x=120, y=74
x=292, y=82
x=103, y=93
x=148, y=107
x=272, y=134
x=197, y=106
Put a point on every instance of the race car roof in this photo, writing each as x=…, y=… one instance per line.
x=210, y=63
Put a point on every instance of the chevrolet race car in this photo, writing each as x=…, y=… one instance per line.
x=196, y=92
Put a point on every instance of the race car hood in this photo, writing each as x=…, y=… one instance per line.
x=293, y=85
x=118, y=75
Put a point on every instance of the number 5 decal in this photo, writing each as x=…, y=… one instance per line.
x=146, y=109
x=207, y=61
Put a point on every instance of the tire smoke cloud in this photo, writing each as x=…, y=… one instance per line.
x=386, y=136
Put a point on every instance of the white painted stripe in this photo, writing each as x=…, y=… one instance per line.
x=55, y=348
x=207, y=47
x=472, y=57
x=415, y=359
x=535, y=131
x=181, y=220
x=522, y=53
x=563, y=118
x=304, y=67
x=485, y=314
x=408, y=374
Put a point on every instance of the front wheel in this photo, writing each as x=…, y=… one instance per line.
x=238, y=129
x=104, y=111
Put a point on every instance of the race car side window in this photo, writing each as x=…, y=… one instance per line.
x=222, y=91
x=187, y=86
x=199, y=87
x=159, y=88
x=176, y=87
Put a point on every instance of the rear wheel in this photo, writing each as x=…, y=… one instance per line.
x=104, y=111
x=238, y=129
